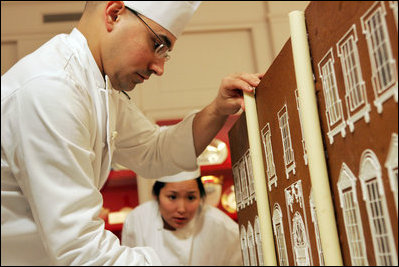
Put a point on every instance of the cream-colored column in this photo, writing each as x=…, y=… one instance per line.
x=262, y=201
x=313, y=140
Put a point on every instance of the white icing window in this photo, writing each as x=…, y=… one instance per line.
x=258, y=241
x=352, y=219
x=316, y=229
x=355, y=90
x=286, y=138
x=250, y=176
x=391, y=164
x=305, y=153
x=270, y=167
x=237, y=184
x=244, y=246
x=394, y=6
x=301, y=244
x=244, y=182
x=373, y=195
x=279, y=235
x=383, y=65
x=334, y=114
x=251, y=245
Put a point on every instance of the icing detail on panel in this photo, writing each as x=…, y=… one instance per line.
x=250, y=176
x=244, y=182
x=297, y=225
x=373, y=195
x=237, y=185
x=251, y=244
x=383, y=65
x=301, y=243
x=305, y=154
x=334, y=114
x=244, y=245
x=391, y=164
x=394, y=6
x=279, y=235
x=258, y=241
x=316, y=229
x=352, y=219
x=288, y=152
x=355, y=90
x=270, y=166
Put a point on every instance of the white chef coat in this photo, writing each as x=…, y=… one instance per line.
x=210, y=238
x=61, y=125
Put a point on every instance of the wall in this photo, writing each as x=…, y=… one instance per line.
x=223, y=37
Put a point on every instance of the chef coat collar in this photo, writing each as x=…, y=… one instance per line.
x=82, y=42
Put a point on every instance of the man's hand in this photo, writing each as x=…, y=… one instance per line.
x=229, y=100
x=230, y=97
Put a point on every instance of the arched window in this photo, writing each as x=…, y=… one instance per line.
x=244, y=246
x=374, y=196
x=251, y=244
x=258, y=241
x=279, y=236
x=352, y=219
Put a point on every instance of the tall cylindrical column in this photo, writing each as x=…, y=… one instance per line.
x=313, y=140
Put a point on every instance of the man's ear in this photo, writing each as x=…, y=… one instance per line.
x=112, y=11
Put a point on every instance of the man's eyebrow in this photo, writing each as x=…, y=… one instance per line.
x=166, y=40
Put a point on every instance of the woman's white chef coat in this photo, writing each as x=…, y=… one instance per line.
x=211, y=237
x=61, y=125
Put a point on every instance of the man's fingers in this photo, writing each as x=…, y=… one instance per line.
x=251, y=79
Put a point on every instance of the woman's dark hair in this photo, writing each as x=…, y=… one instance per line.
x=156, y=188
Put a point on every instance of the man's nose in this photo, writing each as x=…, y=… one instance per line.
x=157, y=66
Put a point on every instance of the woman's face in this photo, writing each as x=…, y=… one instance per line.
x=178, y=203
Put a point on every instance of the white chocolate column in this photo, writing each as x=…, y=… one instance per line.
x=262, y=201
x=313, y=140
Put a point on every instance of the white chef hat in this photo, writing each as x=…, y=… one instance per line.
x=181, y=176
x=172, y=15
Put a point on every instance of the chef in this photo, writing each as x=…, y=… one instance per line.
x=181, y=228
x=65, y=117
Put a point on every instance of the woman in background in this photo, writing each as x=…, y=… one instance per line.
x=181, y=228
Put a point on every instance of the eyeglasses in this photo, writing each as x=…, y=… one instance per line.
x=161, y=49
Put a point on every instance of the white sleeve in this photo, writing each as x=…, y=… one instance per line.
x=54, y=155
x=230, y=237
x=128, y=235
x=142, y=147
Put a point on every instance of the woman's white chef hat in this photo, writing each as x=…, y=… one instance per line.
x=172, y=15
x=181, y=176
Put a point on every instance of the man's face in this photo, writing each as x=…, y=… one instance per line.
x=128, y=51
